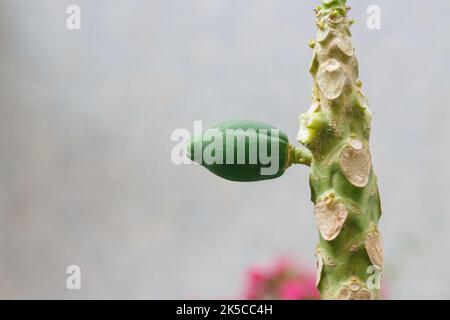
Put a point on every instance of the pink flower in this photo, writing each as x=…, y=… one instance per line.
x=256, y=283
x=300, y=288
x=292, y=290
x=281, y=280
x=309, y=287
x=280, y=268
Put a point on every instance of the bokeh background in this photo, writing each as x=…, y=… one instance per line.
x=86, y=118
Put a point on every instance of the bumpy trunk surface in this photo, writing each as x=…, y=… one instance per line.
x=336, y=130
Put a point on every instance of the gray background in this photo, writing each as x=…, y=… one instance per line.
x=85, y=124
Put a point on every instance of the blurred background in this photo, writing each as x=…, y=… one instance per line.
x=86, y=118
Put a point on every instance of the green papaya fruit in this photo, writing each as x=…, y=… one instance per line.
x=242, y=151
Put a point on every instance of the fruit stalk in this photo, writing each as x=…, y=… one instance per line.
x=336, y=130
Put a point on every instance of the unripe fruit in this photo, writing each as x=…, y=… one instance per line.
x=242, y=151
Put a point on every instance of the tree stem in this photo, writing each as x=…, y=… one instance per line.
x=336, y=131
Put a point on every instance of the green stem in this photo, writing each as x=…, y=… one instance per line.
x=336, y=130
x=299, y=155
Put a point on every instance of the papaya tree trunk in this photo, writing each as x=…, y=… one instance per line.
x=336, y=130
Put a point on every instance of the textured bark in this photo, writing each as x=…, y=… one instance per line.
x=336, y=131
